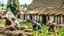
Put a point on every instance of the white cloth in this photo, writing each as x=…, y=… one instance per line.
x=16, y=24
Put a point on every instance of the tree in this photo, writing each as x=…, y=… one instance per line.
x=2, y=5
x=25, y=6
x=8, y=4
x=13, y=5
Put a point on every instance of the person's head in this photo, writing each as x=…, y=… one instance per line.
x=6, y=18
x=34, y=23
x=13, y=19
x=49, y=23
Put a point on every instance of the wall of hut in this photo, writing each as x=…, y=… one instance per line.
x=19, y=15
x=44, y=18
x=58, y=19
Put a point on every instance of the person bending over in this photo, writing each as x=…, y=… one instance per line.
x=7, y=21
x=52, y=27
x=36, y=26
x=15, y=25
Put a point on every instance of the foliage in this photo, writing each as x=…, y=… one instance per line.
x=45, y=28
x=2, y=5
x=25, y=6
x=13, y=5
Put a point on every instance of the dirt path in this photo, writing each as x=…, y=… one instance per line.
x=2, y=35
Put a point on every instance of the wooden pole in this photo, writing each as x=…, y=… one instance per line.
x=39, y=18
x=46, y=19
x=57, y=19
x=54, y=18
x=63, y=19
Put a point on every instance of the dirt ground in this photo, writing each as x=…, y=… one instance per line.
x=2, y=35
x=22, y=32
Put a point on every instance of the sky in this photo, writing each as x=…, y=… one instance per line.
x=28, y=2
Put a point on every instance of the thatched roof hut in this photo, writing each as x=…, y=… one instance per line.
x=8, y=12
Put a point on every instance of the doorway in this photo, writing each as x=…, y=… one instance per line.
x=18, y=16
x=43, y=19
x=30, y=17
x=0, y=17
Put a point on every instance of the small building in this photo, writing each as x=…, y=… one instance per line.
x=30, y=14
x=8, y=13
x=43, y=15
x=19, y=14
x=53, y=15
x=1, y=13
x=48, y=10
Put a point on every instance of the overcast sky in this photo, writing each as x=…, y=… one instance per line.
x=21, y=1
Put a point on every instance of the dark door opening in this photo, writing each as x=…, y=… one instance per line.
x=43, y=19
x=0, y=17
x=18, y=16
x=30, y=17
x=24, y=17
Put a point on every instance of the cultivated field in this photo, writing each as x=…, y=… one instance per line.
x=34, y=33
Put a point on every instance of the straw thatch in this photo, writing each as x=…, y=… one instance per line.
x=45, y=11
x=45, y=3
x=8, y=10
x=1, y=12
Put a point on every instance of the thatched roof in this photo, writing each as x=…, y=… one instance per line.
x=6, y=11
x=46, y=3
x=1, y=12
x=60, y=13
x=45, y=11
x=51, y=11
x=20, y=12
x=26, y=12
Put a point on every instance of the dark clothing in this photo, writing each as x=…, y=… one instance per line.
x=37, y=27
x=8, y=22
x=51, y=28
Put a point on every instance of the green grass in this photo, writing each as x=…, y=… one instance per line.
x=26, y=24
x=4, y=7
x=45, y=28
x=2, y=23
